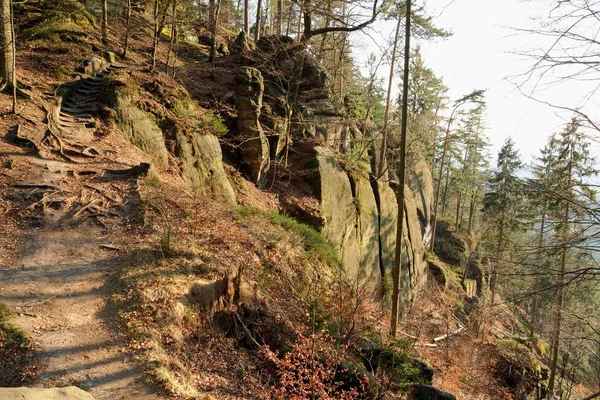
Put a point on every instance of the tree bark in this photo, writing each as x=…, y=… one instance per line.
x=127, y=29
x=247, y=17
x=13, y=45
x=439, y=184
x=156, y=36
x=299, y=34
x=386, y=115
x=173, y=33
x=402, y=174
x=258, y=21
x=472, y=208
x=279, y=27
x=105, y=22
x=538, y=268
x=7, y=69
x=215, y=21
x=560, y=292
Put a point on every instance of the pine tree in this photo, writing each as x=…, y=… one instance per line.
x=502, y=206
x=570, y=171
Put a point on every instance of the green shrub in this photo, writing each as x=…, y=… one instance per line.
x=215, y=124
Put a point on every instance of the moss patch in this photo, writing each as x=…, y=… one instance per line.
x=17, y=365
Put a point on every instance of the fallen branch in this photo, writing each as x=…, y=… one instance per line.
x=430, y=345
x=407, y=335
x=110, y=247
x=450, y=334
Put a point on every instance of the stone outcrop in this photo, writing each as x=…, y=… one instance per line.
x=254, y=146
x=141, y=130
x=200, y=162
x=242, y=44
x=66, y=393
x=197, y=156
x=359, y=212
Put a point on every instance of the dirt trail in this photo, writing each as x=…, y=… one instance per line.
x=58, y=285
x=59, y=296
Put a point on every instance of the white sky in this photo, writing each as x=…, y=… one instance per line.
x=480, y=55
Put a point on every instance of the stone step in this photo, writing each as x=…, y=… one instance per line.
x=68, y=118
x=90, y=92
x=81, y=116
x=76, y=109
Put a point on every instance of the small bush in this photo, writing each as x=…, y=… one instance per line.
x=214, y=124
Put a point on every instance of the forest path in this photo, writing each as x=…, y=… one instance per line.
x=58, y=284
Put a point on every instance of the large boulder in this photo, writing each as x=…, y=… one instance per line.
x=254, y=146
x=23, y=393
x=200, y=161
x=242, y=44
x=141, y=130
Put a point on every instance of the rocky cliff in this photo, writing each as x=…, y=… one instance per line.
x=290, y=128
x=335, y=155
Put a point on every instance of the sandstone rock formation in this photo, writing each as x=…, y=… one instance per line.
x=254, y=146
x=197, y=156
x=242, y=44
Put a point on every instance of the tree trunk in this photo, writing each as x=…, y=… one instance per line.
x=105, y=22
x=557, y=317
x=499, y=251
x=386, y=115
x=258, y=21
x=215, y=21
x=289, y=20
x=472, y=208
x=445, y=199
x=560, y=292
x=437, y=191
x=173, y=34
x=247, y=17
x=156, y=36
x=300, y=17
x=127, y=29
x=538, y=268
x=7, y=63
x=279, y=26
x=402, y=173
x=458, y=204
x=342, y=55
x=13, y=45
